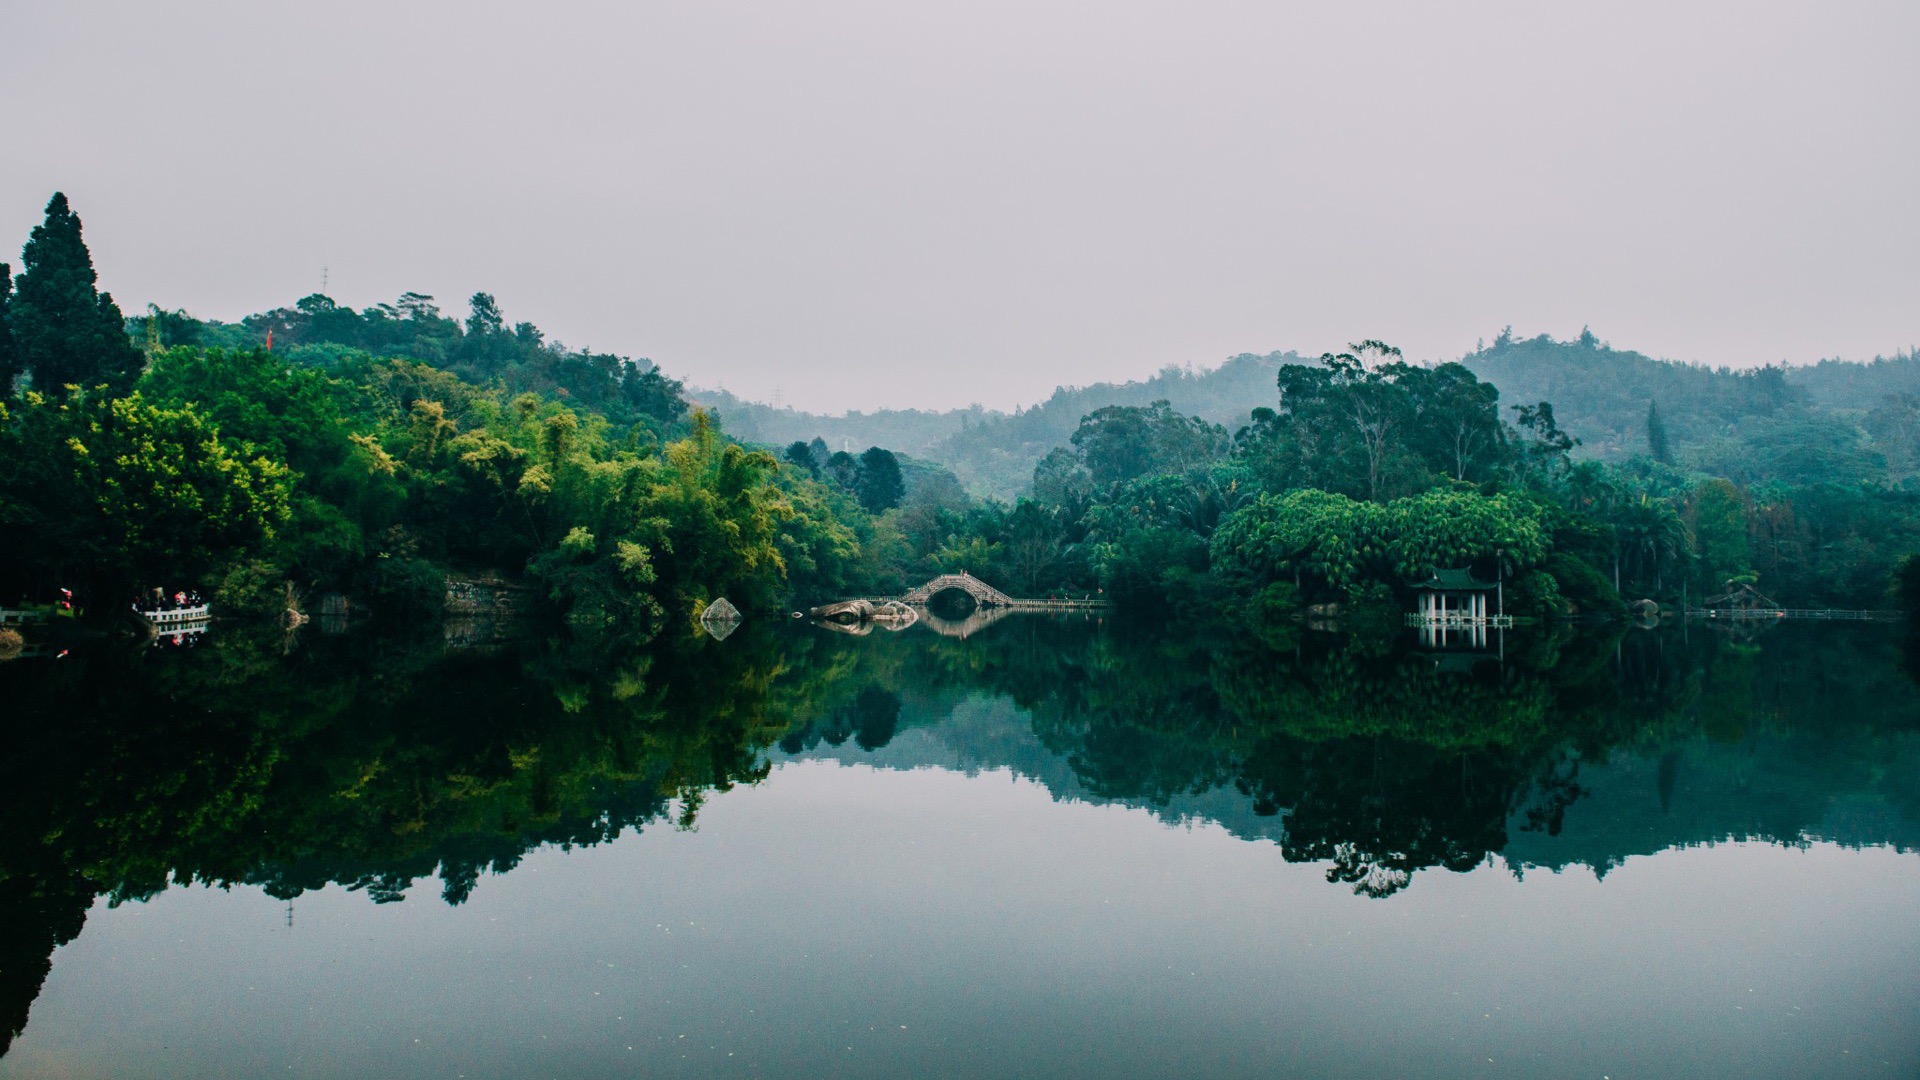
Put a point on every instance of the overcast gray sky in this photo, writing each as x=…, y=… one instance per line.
x=887, y=203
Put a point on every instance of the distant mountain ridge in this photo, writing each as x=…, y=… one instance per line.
x=994, y=452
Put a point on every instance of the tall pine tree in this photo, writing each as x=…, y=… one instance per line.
x=1657, y=435
x=64, y=330
x=9, y=356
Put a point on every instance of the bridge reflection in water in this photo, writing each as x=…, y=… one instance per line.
x=979, y=619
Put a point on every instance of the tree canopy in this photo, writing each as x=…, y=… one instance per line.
x=64, y=331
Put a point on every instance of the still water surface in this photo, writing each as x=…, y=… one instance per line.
x=1049, y=849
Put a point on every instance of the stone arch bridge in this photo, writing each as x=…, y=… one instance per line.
x=984, y=595
x=986, y=598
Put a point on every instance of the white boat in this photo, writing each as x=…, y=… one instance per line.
x=165, y=618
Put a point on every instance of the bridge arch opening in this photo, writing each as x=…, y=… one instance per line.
x=952, y=602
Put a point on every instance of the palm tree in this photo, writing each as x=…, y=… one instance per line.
x=1652, y=537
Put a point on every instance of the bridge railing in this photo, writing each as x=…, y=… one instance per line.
x=1796, y=613
x=988, y=596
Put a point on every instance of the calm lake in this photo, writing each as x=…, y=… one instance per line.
x=1053, y=847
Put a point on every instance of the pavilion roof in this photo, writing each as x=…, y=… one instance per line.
x=1453, y=581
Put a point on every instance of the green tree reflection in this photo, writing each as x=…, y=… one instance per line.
x=375, y=762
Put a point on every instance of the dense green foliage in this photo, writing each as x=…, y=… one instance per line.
x=1334, y=542
x=484, y=350
x=1369, y=473
x=879, y=480
x=123, y=489
x=1645, y=479
x=9, y=352
x=1368, y=423
x=380, y=478
x=377, y=452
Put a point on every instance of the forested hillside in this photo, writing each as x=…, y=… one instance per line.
x=1839, y=384
x=992, y=452
x=915, y=431
x=1837, y=421
x=1602, y=395
x=377, y=452
x=1842, y=421
x=318, y=449
x=997, y=455
x=319, y=333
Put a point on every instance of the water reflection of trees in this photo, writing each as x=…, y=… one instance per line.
x=376, y=763
x=1382, y=760
x=365, y=763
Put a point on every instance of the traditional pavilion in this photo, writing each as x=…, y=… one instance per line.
x=1456, y=596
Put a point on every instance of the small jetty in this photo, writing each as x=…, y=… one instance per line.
x=164, y=619
x=1743, y=602
x=178, y=623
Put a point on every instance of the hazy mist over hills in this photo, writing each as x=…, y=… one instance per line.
x=1601, y=396
x=870, y=204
